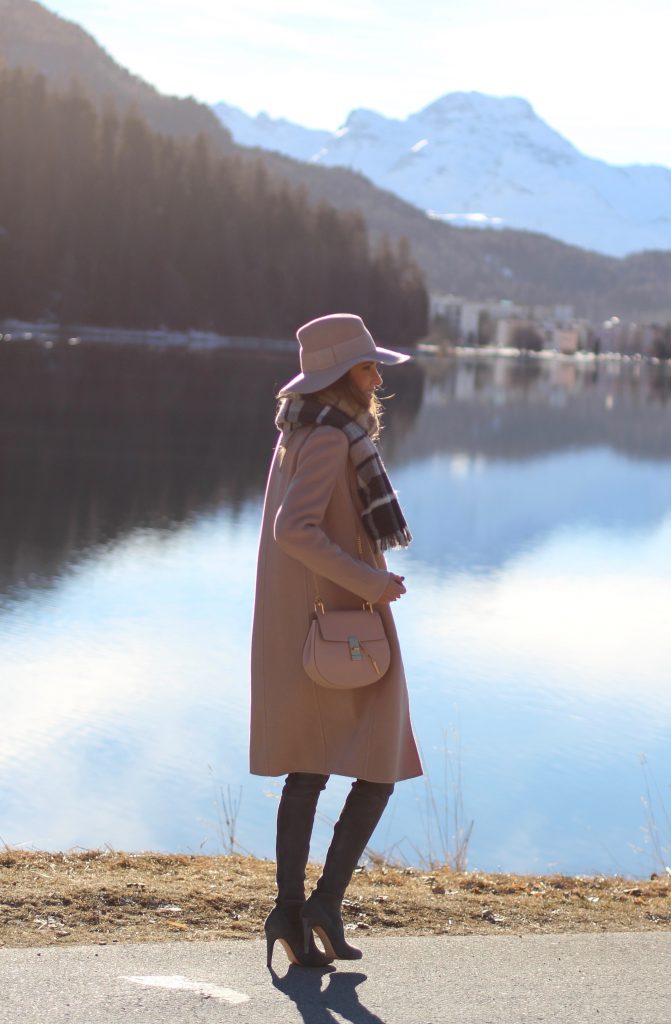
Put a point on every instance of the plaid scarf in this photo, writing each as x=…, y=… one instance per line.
x=381, y=514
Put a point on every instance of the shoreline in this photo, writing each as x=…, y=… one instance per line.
x=50, y=334
x=104, y=896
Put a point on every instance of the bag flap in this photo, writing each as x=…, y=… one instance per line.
x=338, y=626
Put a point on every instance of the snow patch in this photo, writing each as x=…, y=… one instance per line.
x=474, y=220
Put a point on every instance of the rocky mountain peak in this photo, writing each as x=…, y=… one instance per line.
x=484, y=160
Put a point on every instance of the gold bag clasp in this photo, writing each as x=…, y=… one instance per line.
x=355, y=652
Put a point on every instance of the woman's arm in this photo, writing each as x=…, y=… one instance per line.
x=298, y=523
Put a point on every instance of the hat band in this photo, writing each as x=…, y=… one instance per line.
x=325, y=358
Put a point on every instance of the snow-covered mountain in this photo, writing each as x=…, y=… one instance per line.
x=272, y=133
x=485, y=161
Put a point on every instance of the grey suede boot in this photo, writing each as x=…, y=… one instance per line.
x=322, y=911
x=295, y=818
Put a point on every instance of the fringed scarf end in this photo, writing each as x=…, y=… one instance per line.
x=400, y=539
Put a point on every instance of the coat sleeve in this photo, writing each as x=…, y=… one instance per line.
x=298, y=523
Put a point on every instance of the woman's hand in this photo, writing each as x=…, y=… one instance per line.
x=393, y=590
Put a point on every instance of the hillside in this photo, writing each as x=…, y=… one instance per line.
x=104, y=221
x=526, y=267
x=523, y=266
x=33, y=37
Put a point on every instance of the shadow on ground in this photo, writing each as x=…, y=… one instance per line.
x=304, y=988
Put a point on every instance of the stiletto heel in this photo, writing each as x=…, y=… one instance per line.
x=329, y=948
x=307, y=935
x=308, y=927
x=321, y=913
x=284, y=924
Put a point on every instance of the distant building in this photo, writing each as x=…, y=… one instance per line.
x=470, y=321
x=566, y=340
x=502, y=323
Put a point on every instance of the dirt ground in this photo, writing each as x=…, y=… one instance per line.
x=102, y=897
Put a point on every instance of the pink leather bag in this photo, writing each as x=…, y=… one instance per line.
x=346, y=649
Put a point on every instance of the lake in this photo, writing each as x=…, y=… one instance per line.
x=535, y=629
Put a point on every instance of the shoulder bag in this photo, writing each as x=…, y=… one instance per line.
x=346, y=649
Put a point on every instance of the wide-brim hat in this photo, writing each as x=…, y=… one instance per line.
x=332, y=345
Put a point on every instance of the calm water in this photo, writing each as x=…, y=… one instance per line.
x=535, y=629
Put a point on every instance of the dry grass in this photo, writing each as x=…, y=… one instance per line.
x=103, y=897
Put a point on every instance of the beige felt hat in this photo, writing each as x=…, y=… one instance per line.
x=332, y=345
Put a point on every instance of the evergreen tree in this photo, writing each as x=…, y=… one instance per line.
x=104, y=221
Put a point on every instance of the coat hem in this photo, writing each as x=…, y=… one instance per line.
x=323, y=770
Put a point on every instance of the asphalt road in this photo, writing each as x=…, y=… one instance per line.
x=498, y=979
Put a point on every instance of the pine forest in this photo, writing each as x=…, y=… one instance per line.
x=104, y=221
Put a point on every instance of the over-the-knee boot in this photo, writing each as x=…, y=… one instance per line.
x=295, y=818
x=322, y=911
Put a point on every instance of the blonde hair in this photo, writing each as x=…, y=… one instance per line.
x=354, y=402
x=347, y=396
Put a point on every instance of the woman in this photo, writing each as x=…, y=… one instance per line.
x=329, y=513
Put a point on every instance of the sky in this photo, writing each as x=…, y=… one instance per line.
x=595, y=70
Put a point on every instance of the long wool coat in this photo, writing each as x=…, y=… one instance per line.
x=311, y=520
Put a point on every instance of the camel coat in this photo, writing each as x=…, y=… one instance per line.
x=310, y=525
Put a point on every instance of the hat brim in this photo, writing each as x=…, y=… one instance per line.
x=308, y=383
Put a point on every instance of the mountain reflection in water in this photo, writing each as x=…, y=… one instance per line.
x=539, y=495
